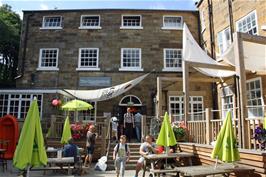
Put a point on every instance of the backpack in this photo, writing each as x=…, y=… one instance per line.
x=118, y=144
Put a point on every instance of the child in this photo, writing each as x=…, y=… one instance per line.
x=121, y=156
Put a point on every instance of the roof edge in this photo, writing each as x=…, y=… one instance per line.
x=107, y=9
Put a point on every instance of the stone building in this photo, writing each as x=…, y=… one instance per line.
x=220, y=19
x=91, y=49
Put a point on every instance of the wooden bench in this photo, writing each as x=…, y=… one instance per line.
x=199, y=171
x=161, y=171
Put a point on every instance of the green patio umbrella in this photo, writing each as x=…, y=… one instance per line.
x=225, y=148
x=264, y=123
x=66, y=135
x=30, y=150
x=166, y=136
x=77, y=105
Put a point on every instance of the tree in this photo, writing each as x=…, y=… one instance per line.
x=10, y=26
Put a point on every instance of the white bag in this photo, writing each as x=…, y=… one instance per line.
x=101, y=164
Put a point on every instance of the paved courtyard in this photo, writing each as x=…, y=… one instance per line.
x=11, y=172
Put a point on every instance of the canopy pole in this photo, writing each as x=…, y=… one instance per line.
x=241, y=73
x=185, y=70
x=159, y=98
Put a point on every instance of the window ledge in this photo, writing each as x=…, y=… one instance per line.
x=87, y=69
x=89, y=27
x=171, y=28
x=48, y=28
x=131, y=27
x=130, y=69
x=172, y=69
x=47, y=69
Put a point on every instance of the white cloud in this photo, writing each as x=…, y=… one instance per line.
x=1, y=2
x=44, y=6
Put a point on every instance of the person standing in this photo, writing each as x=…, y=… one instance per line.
x=128, y=124
x=121, y=155
x=90, y=144
x=138, y=118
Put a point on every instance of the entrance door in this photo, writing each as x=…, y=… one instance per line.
x=135, y=104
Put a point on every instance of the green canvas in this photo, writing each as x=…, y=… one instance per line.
x=77, y=105
x=30, y=150
x=66, y=135
x=225, y=148
x=166, y=136
x=264, y=123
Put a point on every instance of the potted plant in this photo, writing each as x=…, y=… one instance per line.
x=260, y=135
x=180, y=132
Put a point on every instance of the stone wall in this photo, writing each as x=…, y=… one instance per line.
x=110, y=39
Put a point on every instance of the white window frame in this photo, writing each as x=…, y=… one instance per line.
x=172, y=28
x=88, y=68
x=56, y=27
x=90, y=27
x=130, y=27
x=244, y=18
x=122, y=68
x=171, y=69
x=181, y=106
x=224, y=103
x=20, y=99
x=261, y=98
x=225, y=44
x=130, y=98
x=41, y=68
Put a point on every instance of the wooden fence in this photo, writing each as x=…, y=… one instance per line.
x=205, y=131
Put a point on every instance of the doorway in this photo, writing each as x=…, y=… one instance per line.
x=135, y=104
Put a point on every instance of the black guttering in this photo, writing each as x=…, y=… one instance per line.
x=74, y=10
x=198, y=3
x=25, y=36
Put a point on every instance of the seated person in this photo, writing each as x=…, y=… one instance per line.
x=71, y=150
x=146, y=148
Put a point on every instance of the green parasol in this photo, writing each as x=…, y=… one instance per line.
x=166, y=136
x=225, y=147
x=30, y=150
x=77, y=105
x=66, y=135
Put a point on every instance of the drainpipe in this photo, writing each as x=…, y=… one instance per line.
x=213, y=86
x=231, y=19
x=24, y=46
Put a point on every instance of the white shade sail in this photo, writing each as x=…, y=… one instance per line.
x=193, y=52
x=105, y=93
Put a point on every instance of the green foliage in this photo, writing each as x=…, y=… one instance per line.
x=10, y=26
x=180, y=133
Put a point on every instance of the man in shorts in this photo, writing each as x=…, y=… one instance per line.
x=146, y=148
x=90, y=144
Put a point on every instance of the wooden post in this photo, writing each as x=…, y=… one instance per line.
x=104, y=133
x=208, y=125
x=143, y=127
x=241, y=73
x=159, y=97
x=185, y=69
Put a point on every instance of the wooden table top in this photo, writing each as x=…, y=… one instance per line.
x=202, y=170
x=168, y=156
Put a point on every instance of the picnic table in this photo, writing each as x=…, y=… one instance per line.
x=224, y=169
x=153, y=158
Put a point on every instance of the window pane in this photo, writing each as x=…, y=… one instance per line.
x=49, y=57
x=131, y=21
x=90, y=21
x=52, y=22
x=173, y=58
x=174, y=22
x=131, y=58
x=88, y=58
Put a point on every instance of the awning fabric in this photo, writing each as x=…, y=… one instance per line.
x=254, y=56
x=193, y=52
x=106, y=93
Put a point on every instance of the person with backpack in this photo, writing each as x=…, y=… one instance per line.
x=121, y=155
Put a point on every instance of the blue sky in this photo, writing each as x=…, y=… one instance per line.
x=19, y=5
